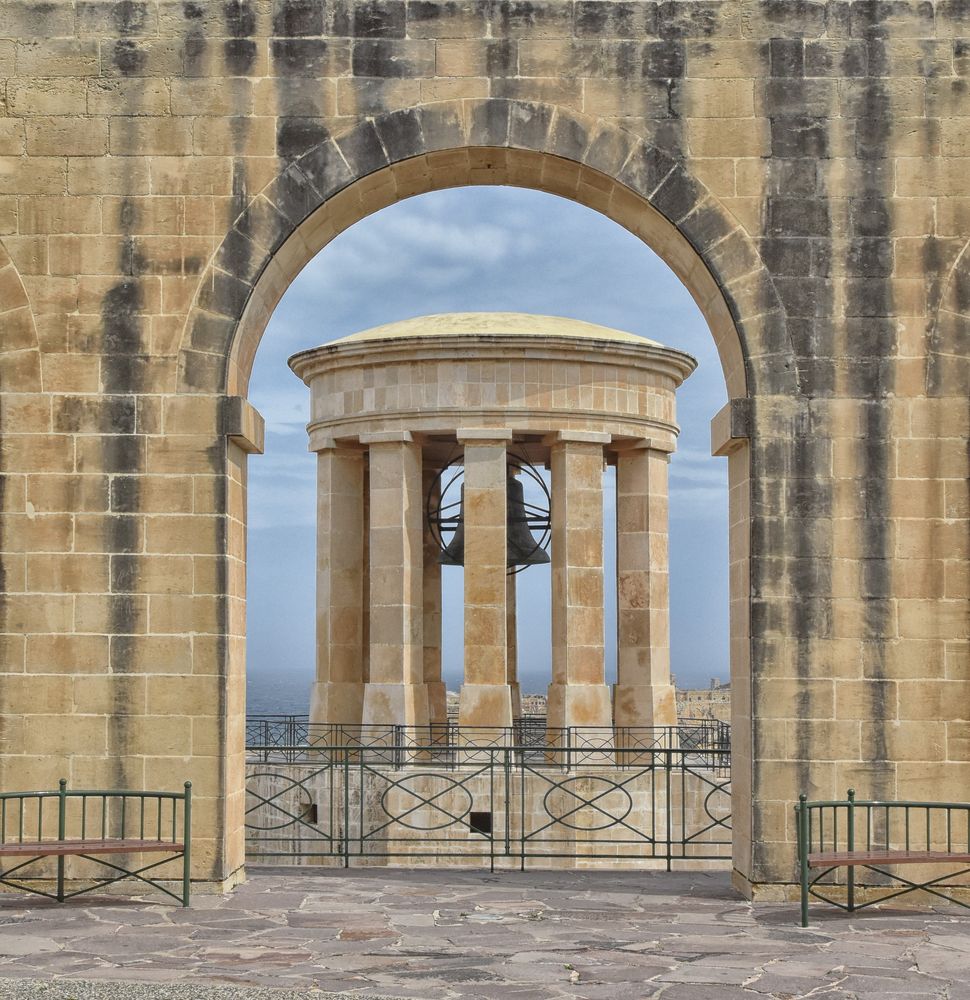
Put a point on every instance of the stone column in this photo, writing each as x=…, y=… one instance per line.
x=365, y=631
x=338, y=691
x=578, y=694
x=431, y=585
x=512, y=644
x=486, y=697
x=643, y=694
x=395, y=692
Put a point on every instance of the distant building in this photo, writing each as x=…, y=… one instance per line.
x=712, y=702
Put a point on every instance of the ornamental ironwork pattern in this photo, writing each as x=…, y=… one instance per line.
x=488, y=804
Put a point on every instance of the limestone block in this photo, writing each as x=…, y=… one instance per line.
x=183, y=533
x=454, y=90
x=403, y=704
x=922, y=619
x=587, y=705
x=466, y=19
x=168, y=137
x=183, y=695
x=908, y=741
x=180, y=614
x=47, y=96
x=67, y=136
x=637, y=705
x=336, y=702
x=173, y=175
x=98, y=176
x=485, y=705
x=107, y=96
x=50, y=735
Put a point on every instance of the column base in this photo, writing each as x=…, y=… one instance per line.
x=336, y=702
x=579, y=705
x=644, y=705
x=437, y=703
x=395, y=705
x=485, y=705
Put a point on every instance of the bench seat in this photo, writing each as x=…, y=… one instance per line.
x=849, y=858
x=876, y=835
x=56, y=848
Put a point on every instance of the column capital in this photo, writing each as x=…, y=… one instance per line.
x=641, y=444
x=477, y=435
x=576, y=437
x=387, y=437
x=320, y=441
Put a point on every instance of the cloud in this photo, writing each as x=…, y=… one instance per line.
x=698, y=487
x=416, y=245
x=696, y=466
x=286, y=410
x=282, y=486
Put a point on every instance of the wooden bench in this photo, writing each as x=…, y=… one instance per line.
x=872, y=835
x=95, y=826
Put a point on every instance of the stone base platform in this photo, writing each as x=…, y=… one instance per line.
x=447, y=935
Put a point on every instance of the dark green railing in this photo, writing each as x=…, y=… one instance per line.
x=94, y=824
x=487, y=803
x=875, y=834
x=529, y=734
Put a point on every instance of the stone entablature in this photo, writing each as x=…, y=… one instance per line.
x=389, y=408
x=502, y=373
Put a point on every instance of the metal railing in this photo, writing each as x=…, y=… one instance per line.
x=875, y=836
x=487, y=804
x=291, y=735
x=88, y=824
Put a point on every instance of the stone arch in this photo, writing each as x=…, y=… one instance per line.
x=948, y=349
x=19, y=350
x=384, y=159
x=490, y=141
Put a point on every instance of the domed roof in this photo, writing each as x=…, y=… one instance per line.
x=493, y=324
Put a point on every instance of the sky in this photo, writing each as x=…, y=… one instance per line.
x=462, y=250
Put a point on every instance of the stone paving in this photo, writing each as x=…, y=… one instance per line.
x=449, y=935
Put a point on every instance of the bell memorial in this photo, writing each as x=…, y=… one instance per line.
x=492, y=394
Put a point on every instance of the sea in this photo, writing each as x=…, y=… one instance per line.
x=278, y=694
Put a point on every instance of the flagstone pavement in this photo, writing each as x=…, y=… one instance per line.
x=457, y=935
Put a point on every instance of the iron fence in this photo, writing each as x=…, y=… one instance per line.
x=291, y=736
x=483, y=804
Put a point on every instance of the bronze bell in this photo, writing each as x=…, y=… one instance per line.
x=521, y=547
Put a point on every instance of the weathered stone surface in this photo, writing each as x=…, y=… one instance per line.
x=451, y=934
x=801, y=166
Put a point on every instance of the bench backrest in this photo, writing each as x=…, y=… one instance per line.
x=96, y=814
x=871, y=825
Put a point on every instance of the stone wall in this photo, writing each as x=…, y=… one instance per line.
x=593, y=815
x=167, y=167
